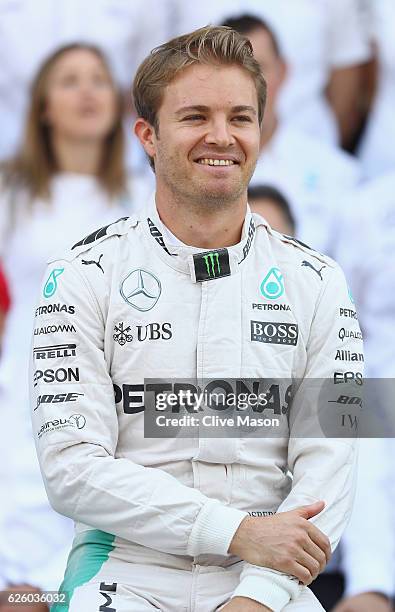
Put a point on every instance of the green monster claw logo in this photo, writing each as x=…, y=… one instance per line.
x=51, y=285
x=210, y=259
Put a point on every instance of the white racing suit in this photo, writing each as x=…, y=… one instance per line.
x=155, y=515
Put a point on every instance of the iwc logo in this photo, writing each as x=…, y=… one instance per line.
x=141, y=290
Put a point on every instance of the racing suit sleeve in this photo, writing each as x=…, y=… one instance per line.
x=323, y=466
x=76, y=433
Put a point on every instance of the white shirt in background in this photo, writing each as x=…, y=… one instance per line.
x=312, y=175
x=316, y=37
x=377, y=151
x=30, y=30
x=365, y=248
x=34, y=539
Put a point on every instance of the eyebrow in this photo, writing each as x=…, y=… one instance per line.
x=204, y=109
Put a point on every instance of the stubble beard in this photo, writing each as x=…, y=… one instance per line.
x=198, y=197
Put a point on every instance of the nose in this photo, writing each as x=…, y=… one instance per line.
x=219, y=133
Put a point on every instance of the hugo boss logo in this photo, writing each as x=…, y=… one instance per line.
x=274, y=333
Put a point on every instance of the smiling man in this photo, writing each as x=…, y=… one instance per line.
x=194, y=288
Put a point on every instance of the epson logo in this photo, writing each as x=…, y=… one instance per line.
x=346, y=377
x=274, y=333
x=53, y=329
x=58, y=398
x=60, y=375
x=54, y=352
x=51, y=308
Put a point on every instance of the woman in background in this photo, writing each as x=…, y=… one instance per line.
x=67, y=181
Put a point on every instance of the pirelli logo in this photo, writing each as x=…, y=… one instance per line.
x=55, y=352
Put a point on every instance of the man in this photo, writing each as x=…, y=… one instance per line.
x=273, y=206
x=371, y=586
x=326, y=47
x=310, y=173
x=194, y=288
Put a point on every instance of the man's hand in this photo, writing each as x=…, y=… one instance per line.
x=286, y=542
x=365, y=602
x=243, y=604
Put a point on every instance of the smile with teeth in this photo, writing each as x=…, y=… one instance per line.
x=216, y=162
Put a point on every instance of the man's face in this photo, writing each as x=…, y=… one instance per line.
x=208, y=139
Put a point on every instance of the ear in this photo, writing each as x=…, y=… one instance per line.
x=283, y=71
x=145, y=132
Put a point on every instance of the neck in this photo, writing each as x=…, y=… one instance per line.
x=269, y=127
x=201, y=228
x=82, y=157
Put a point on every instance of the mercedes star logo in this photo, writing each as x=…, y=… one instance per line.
x=141, y=290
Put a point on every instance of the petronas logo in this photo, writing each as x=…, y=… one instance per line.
x=213, y=266
x=272, y=286
x=52, y=284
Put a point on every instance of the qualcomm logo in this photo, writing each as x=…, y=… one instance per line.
x=272, y=286
x=141, y=290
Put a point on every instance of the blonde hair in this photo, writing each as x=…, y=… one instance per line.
x=35, y=164
x=208, y=45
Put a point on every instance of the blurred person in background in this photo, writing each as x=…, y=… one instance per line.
x=310, y=173
x=325, y=46
x=68, y=178
x=30, y=31
x=365, y=247
x=4, y=302
x=376, y=150
x=352, y=581
x=270, y=203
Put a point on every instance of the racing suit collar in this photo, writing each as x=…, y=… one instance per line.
x=200, y=264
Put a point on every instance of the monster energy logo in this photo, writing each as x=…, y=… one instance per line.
x=212, y=259
x=211, y=265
